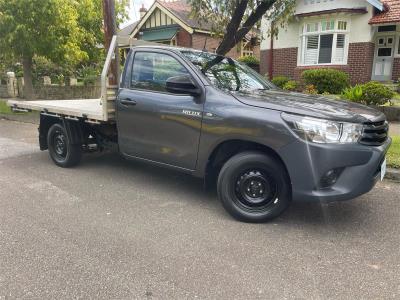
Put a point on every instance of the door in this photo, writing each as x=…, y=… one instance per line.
x=152, y=123
x=383, y=62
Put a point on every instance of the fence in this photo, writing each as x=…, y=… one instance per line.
x=3, y=91
x=58, y=92
x=14, y=88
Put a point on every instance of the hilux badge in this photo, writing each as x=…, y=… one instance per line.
x=191, y=113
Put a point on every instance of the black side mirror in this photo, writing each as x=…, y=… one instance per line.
x=182, y=85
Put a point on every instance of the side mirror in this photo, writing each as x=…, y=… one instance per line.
x=182, y=85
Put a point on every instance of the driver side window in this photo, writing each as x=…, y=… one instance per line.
x=150, y=71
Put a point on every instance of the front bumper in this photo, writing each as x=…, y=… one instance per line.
x=307, y=163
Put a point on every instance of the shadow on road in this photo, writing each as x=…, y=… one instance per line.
x=337, y=215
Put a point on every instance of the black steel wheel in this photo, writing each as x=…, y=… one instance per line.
x=61, y=151
x=254, y=187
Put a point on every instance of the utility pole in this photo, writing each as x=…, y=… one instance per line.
x=110, y=29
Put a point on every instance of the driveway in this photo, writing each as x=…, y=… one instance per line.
x=114, y=229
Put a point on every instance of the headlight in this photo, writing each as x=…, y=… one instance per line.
x=323, y=131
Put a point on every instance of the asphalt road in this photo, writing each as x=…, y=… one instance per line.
x=112, y=229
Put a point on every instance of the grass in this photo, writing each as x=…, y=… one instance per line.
x=4, y=109
x=393, y=156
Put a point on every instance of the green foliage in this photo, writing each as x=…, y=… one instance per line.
x=310, y=89
x=4, y=109
x=354, y=94
x=44, y=27
x=280, y=81
x=327, y=80
x=375, y=93
x=249, y=60
x=89, y=74
x=66, y=33
x=291, y=85
x=393, y=155
x=371, y=93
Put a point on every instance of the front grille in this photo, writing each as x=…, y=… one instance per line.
x=375, y=133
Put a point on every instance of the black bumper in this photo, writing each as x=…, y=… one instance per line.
x=307, y=163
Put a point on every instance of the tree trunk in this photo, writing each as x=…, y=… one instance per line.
x=28, y=86
x=234, y=34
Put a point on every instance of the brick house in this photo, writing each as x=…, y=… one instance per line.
x=360, y=37
x=169, y=22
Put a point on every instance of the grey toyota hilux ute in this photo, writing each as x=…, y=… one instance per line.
x=217, y=119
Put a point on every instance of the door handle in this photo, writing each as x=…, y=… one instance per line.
x=128, y=101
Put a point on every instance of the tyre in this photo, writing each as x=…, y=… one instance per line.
x=254, y=187
x=61, y=151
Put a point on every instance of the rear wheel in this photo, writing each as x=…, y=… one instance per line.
x=254, y=187
x=61, y=151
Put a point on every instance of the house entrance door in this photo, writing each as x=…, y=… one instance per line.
x=383, y=61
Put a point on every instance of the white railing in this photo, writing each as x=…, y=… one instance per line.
x=104, y=75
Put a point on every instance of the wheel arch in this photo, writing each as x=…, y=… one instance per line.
x=73, y=128
x=223, y=151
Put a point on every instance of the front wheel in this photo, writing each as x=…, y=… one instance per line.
x=62, y=152
x=254, y=187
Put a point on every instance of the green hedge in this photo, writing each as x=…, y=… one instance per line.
x=280, y=81
x=371, y=93
x=327, y=80
x=249, y=60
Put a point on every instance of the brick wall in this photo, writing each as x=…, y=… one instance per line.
x=359, y=67
x=284, y=62
x=184, y=39
x=396, y=69
x=211, y=43
x=360, y=62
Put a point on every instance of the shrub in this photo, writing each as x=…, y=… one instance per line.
x=310, y=89
x=249, y=60
x=280, y=81
x=327, y=80
x=375, y=93
x=354, y=94
x=291, y=85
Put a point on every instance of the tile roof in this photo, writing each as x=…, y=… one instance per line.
x=127, y=30
x=391, y=13
x=181, y=9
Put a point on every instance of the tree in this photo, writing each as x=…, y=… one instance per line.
x=66, y=32
x=234, y=19
x=47, y=28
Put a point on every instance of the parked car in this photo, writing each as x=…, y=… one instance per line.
x=215, y=118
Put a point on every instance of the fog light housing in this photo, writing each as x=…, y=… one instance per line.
x=330, y=178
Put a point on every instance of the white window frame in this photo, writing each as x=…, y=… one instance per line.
x=335, y=32
x=397, y=45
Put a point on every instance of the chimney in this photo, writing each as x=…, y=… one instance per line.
x=142, y=11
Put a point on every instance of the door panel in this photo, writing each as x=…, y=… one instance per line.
x=156, y=126
x=383, y=62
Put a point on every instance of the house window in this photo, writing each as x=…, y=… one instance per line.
x=324, y=42
x=387, y=28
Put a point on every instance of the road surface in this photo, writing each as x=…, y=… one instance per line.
x=112, y=229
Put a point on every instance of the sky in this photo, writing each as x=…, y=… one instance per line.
x=135, y=5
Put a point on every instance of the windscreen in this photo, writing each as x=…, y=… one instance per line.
x=228, y=74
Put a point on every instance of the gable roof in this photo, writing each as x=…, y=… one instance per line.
x=182, y=10
x=127, y=30
x=178, y=10
x=390, y=14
